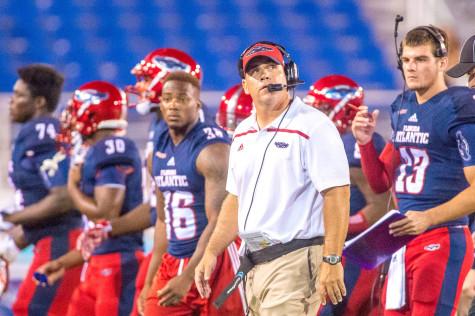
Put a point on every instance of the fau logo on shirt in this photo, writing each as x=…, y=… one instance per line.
x=281, y=145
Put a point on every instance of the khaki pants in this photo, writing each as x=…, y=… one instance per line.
x=287, y=285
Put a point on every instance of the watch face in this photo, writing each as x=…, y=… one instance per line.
x=332, y=259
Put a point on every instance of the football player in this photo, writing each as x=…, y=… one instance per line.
x=430, y=164
x=189, y=167
x=106, y=185
x=39, y=173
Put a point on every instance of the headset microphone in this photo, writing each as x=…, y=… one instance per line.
x=272, y=87
x=397, y=20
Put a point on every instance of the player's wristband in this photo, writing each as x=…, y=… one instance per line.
x=357, y=224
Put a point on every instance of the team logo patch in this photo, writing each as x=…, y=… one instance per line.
x=402, y=111
x=106, y=272
x=257, y=49
x=89, y=97
x=464, y=148
x=241, y=147
x=161, y=155
x=171, y=64
x=432, y=247
x=281, y=145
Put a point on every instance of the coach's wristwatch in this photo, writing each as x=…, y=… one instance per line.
x=332, y=259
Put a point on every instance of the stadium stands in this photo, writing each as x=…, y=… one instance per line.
x=92, y=39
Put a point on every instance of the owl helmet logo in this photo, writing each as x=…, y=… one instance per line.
x=89, y=97
x=171, y=64
x=340, y=92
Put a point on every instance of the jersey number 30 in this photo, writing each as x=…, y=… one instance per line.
x=412, y=171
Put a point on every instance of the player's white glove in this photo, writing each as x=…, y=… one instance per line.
x=5, y=225
x=92, y=237
x=50, y=166
x=8, y=249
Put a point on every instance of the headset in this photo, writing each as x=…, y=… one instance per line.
x=441, y=47
x=290, y=67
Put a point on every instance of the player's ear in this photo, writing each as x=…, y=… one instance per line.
x=244, y=86
x=443, y=63
x=40, y=103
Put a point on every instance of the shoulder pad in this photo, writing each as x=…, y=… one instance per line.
x=463, y=104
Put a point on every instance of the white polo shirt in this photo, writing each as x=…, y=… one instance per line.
x=304, y=157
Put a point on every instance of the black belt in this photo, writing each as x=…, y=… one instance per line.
x=250, y=259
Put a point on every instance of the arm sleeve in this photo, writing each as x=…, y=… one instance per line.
x=114, y=176
x=378, y=169
x=325, y=158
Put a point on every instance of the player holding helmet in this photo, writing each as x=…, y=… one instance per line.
x=338, y=96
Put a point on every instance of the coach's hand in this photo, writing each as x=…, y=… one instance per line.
x=415, y=223
x=203, y=273
x=175, y=290
x=331, y=283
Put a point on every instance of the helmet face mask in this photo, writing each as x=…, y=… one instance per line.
x=332, y=95
x=235, y=106
x=152, y=70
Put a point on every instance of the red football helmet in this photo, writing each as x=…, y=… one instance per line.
x=332, y=94
x=235, y=106
x=151, y=71
x=96, y=105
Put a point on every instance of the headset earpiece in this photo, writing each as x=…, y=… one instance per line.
x=441, y=49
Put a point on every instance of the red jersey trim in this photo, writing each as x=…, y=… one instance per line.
x=244, y=133
x=283, y=130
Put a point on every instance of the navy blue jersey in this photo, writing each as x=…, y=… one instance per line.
x=37, y=167
x=175, y=174
x=357, y=200
x=435, y=141
x=115, y=161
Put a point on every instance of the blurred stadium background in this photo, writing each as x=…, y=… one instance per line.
x=93, y=39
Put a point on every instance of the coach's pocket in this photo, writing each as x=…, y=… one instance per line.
x=313, y=267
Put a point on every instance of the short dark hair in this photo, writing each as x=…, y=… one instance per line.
x=183, y=77
x=419, y=36
x=43, y=81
